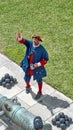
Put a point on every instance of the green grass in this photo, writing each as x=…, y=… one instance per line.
x=53, y=20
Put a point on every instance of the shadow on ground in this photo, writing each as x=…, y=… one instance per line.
x=51, y=102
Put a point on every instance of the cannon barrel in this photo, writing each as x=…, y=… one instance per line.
x=18, y=114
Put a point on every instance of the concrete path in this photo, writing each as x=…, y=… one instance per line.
x=48, y=106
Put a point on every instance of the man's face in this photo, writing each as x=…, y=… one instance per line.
x=35, y=41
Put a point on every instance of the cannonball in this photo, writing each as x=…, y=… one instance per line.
x=4, y=84
x=61, y=114
x=62, y=126
x=57, y=117
x=3, y=79
x=58, y=123
x=70, y=120
x=8, y=85
x=0, y=82
x=53, y=121
x=62, y=120
x=7, y=75
x=7, y=80
x=12, y=83
x=67, y=123
x=15, y=80
x=11, y=78
x=66, y=118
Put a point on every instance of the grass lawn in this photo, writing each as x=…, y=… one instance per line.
x=53, y=20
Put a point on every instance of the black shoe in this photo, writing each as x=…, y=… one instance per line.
x=38, y=96
x=28, y=90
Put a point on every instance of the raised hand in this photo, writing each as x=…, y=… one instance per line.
x=18, y=34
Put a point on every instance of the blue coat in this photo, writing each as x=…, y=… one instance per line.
x=39, y=54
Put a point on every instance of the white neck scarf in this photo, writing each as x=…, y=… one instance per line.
x=35, y=46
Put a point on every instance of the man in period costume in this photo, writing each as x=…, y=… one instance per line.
x=33, y=62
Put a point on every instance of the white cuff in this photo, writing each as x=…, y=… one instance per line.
x=39, y=64
x=20, y=38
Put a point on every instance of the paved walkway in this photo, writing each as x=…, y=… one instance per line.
x=50, y=104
